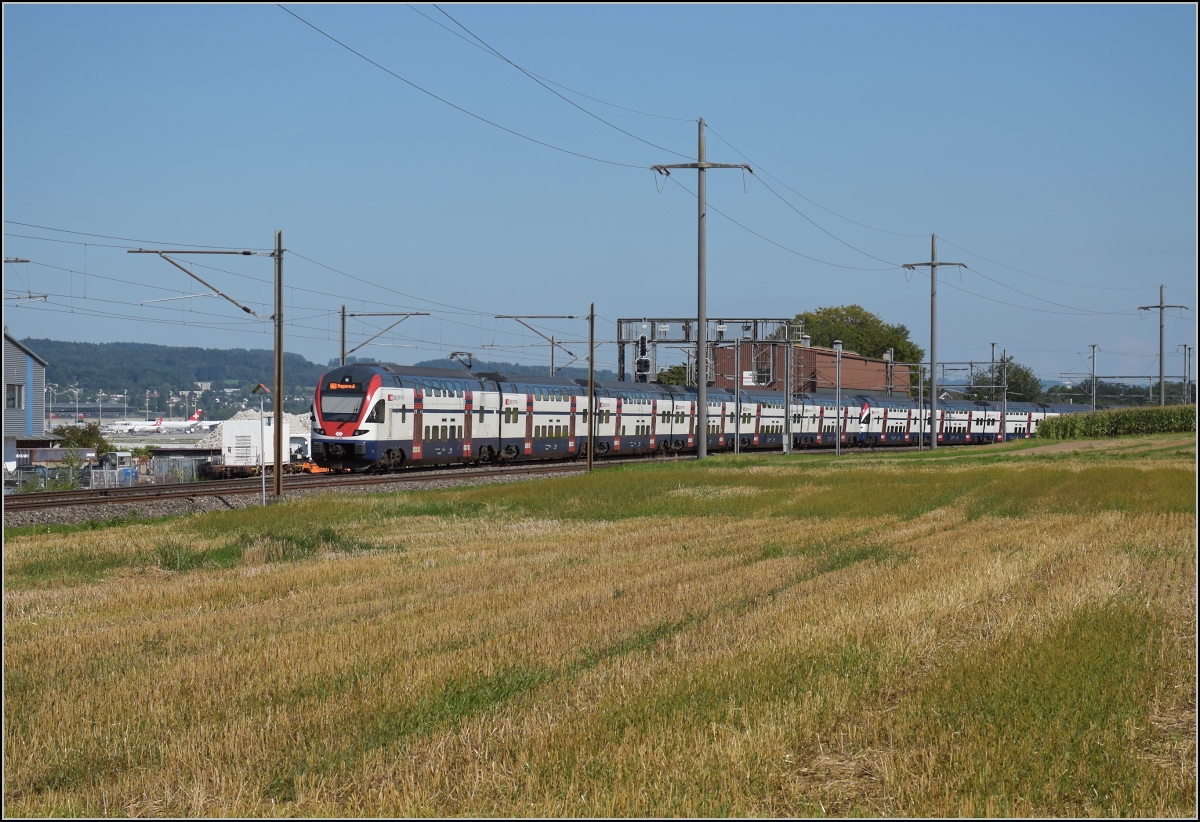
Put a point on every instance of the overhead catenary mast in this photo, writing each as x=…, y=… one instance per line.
x=701, y=297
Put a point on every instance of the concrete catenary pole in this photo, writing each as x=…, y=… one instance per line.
x=1162, y=308
x=591, y=417
x=787, y=390
x=837, y=347
x=933, y=267
x=1094, y=347
x=278, y=399
x=737, y=389
x=1004, y=411
x=701, y=284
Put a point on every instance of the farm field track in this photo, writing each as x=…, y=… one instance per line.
x=998, y=631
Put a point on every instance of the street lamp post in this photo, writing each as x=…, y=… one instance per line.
x=837, y=347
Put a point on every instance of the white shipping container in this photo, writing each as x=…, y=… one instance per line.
x=242, y=442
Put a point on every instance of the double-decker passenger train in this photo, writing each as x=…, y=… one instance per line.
x=381, y=417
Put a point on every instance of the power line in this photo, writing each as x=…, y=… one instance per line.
x=453, y=105
x=65, y=242
x=1027, y=307
x=1048, y=279
x=822, y=228
x=108, y=237
x=547, y=79
x=1040, y=299
x=814, y=202
x=555, y=93
x=773, y=242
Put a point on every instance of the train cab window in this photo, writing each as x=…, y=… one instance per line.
x=376, y=414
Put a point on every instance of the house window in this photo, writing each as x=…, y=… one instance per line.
x=14, y=395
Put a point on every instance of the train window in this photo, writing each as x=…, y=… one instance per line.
x=481, y=413
x=427, y=432
x=404, y=413
x=585, y=415
x=444, y=436
x=376, y=414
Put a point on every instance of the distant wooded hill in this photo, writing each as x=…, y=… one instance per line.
x=141, y=366
x=137, y=367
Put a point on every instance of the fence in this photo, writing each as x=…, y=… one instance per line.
x=165, y=470
x=114, y=477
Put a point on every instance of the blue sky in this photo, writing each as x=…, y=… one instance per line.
x=1051, y=148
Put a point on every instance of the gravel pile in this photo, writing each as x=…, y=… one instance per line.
x=299, y=426
x=75, y=515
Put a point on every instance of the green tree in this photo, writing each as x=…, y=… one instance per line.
x=860, y=331
x=1023, y=386
x=675, y=375
x=83, y=436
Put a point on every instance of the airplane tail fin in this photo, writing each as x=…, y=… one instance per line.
x=195, y=417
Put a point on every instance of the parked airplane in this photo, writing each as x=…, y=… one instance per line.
x=160, y=425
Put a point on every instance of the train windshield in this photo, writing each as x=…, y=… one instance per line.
x=342, y=405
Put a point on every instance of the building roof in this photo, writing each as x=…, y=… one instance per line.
x=13, y=340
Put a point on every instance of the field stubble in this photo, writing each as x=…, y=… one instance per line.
x=743, y=637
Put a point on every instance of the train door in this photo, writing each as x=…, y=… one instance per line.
x=399, y=415
x=485, y=423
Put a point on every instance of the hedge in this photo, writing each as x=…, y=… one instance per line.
x=1155, y=420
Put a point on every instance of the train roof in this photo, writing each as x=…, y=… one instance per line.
x=407, y=370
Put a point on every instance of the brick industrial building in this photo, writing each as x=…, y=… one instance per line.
x=814, y=370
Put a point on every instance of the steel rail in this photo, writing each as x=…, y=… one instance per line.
x=293, y=482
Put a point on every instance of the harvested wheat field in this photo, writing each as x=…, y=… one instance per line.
x=980, y=634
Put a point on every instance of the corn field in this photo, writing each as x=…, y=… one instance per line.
x=1121, y=422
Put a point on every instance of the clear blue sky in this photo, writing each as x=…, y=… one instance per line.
x=1052, y=148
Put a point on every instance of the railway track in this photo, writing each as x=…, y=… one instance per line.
x=292, y=482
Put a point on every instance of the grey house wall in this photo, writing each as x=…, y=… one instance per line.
x=23, y=367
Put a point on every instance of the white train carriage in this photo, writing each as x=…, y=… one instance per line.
x=373, y=417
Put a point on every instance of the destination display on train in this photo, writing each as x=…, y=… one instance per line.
x=345, y=386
